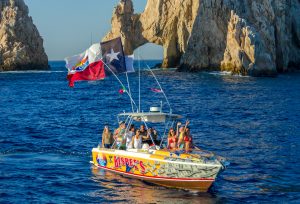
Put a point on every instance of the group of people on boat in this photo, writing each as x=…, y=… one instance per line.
x=132, y=138
x=181, y=138
x=139, y=138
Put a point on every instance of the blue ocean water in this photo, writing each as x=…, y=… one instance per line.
x=48, y=131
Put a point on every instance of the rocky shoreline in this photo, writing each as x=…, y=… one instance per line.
x=248, y=37
x=21, y=46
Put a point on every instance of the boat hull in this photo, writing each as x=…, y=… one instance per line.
x=201, y=185
x=157, y=169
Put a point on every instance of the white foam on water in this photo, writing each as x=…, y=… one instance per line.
x=219, y=73
x=31, y=72
x=225, y=73
x=163, y=69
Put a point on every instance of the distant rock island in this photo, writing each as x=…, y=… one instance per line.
x=21, y=46
x=249, y=37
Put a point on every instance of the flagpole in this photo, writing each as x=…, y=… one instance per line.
x=119, y=82
x=160, y=88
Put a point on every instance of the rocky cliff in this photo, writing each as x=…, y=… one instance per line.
x=167, y=23
x=21, y=46
x=250, y=37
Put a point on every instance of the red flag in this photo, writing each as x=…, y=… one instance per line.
x=94, y=71
x=156, y=90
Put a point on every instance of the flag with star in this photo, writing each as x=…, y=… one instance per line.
x=86, y=66
x=113, y=55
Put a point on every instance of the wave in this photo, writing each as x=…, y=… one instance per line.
x=220, y=73
x=225, y=73
x=163, y=69
x=32, y=72
x=44, y=150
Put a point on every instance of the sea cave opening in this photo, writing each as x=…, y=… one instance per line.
x=149, y=54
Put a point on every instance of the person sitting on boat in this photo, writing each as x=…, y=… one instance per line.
x=107, y=138
x=172, y=140
x=129, y=136
x=150, y=137
x=119, y=135
x=150, y=134
x=155, y=134
x=188, y=140
x=144, y=133
x=137, y=140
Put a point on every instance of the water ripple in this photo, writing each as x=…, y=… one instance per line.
x=48, y=131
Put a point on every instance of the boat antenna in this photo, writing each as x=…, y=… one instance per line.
x=139, y=59
x=91, y=38
x=128, y=84
x=129, y=90
x=129, y=94
x=160, y=88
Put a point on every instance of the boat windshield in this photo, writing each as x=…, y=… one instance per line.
x=152, y=117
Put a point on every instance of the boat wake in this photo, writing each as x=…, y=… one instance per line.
x=44, y=151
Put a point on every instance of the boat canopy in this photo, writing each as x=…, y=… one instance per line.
x=152, y=117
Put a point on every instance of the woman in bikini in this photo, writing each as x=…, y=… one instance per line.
x=188, y=140
x=172, y=139
x=107, y=138
x=182, y=134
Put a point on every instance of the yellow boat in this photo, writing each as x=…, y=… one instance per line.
x=192, y=171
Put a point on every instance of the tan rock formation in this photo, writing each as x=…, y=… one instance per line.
x=21, y=46
x=168, y=23
x=245, y=53
x=255, y=37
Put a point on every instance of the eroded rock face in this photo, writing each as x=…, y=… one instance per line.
x=164, y=22
x=255, y=37
x=249, y=37
x=21, y=46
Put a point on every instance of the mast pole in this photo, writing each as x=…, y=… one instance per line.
x=139, y=80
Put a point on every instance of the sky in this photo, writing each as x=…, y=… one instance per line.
x=67, y=26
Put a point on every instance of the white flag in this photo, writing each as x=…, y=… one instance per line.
x=81, y=61
x=129, y=63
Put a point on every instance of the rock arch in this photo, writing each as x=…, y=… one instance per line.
x=165, y=23
x=249, y=37
x=149, y=51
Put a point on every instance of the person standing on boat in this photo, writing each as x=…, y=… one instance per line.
x=137, y=140
x=172, y=140
x=119, y=135
x=182, y=134
x=107, y=138
x=129, y=136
